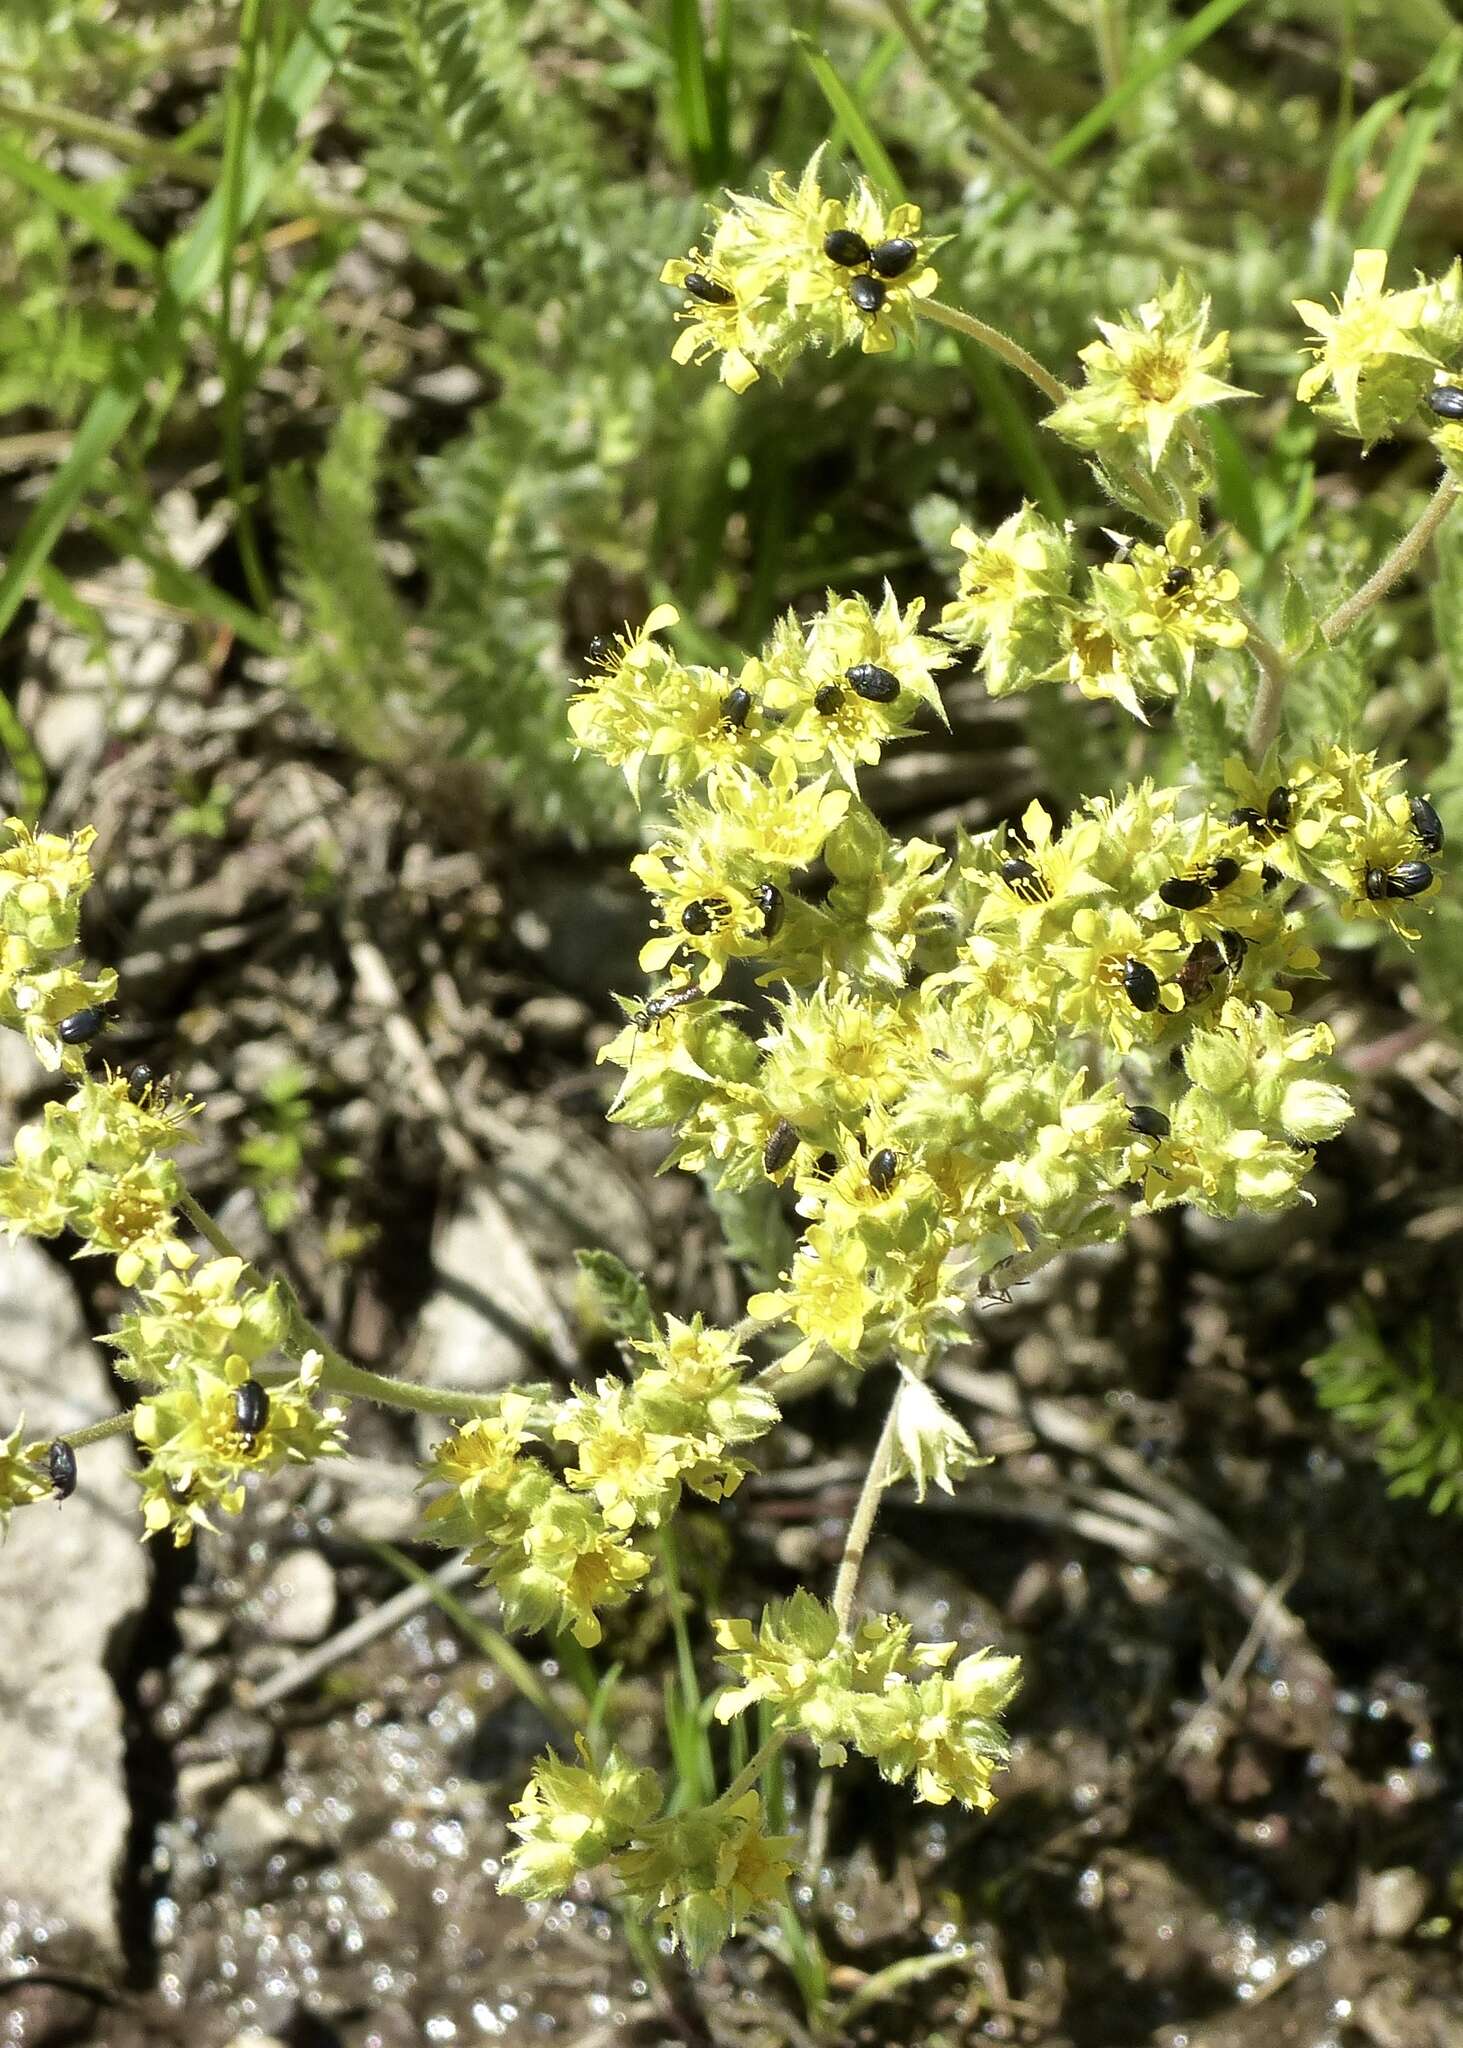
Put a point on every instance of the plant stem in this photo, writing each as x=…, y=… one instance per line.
x=861, y=1525
x=1274, y=675
x=95, y=1432
x=989, y=123
x=341, y=1375
x=999, y=345
x=752, y=1770
x=1412, y=544
x=845, y=1586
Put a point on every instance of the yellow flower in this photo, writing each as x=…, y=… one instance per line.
x=1146, y=375
x=826, y=1296
x=1370, y=352
x=1173, y=602
x=199, y=1453
x=1009, y=600
x=23, y=1475
x=573, y=1817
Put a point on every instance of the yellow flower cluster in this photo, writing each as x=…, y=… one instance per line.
x=1145, y=376
x=799, y=270
x=969, y=1058
x=42, y=880
x=99, y=1164
x=560, y=1552
x=874, y=1691
x=1135, y=634
x=699, y=1876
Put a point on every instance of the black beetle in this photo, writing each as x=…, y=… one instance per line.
x=780, y=1146
x=704, y=916
x=845, y=247
x=1427, y=825
x=1024, y=880
x=868, y=293
x=61, y=1463
x=883, y=1169
x=768, y=899
x=893, y=258
x=1147, y=1121
x=1446, y=401
x=84, y=1025
x=1140, y=985
x=1410, y=879
x=876, y=684
x=1280, y=808
x=734, y=708
x=1185, y=892
x=828, y=699
x=707, y=290
x=251, y=1410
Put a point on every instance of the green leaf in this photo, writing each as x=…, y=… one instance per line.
x=1014, y=427
x=1181, y=44
x=1297, y=618
x=1234, y=483
x=619, y=1295
x=700, y=92
x=1204, y=731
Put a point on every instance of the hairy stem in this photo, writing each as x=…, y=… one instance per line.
x=95, y=1432
x=752, y=1770
x=845, y=1587
x=1412, y=544
x=861, y=1524
x=1274, y=675
x=999, y=345
x=341, y=1375
x=1274, y=670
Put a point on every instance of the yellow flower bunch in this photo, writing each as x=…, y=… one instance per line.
x=796, y=270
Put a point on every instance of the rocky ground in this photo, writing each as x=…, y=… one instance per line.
x=235, y=1809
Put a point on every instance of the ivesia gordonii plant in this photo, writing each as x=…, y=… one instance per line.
x=970, y=1060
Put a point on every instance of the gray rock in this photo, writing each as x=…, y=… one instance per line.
x=297, y=1600
x=72, y=1582
x=1392, y=1901
x=483, y=1325
x=249, y=1829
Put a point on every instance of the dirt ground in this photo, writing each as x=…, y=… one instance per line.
x=1235, y=1809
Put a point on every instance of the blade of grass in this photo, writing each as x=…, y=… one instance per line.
x=186, y=588
x=1430, y=100
x=874, y=69
x=30, y=773
x=684, y=1721
x=1147, y=71
x=1352, y=150
x=975, y=110
x=237, y=123
x=849, y=113
x=514, y=1667
x=81, y=203
x=190, y=268
x=694, y=87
